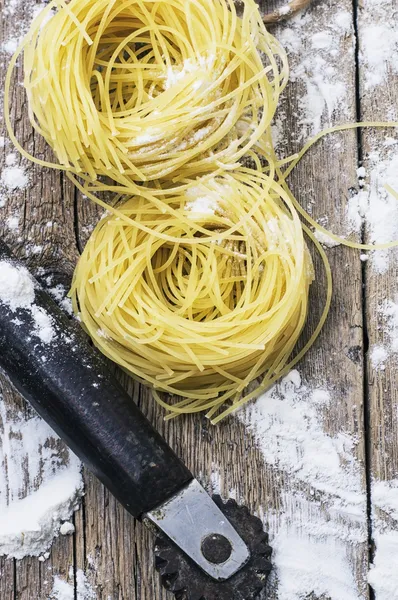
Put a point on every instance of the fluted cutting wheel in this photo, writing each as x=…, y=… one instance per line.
x=187, y=581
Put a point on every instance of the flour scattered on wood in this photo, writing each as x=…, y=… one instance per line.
x=315, y=42
x=63, y=590
x=17, y=27
x=10, y=46
x=11, y=159
x=388, y=327
x=385, y=498
x=67, y=528
x=378, y=42
x=14, y=178
x=383, y=575
x=375, y=207
x=378, y=357
x=19, y=16
x=13, y=223
x=215, y=485
x=325, y=239
x=315, y=531
x=389, y=314
x=315, y=45
x=40, y=484
x=311, y=553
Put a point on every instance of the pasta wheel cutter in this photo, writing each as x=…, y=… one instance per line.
x=205, y=549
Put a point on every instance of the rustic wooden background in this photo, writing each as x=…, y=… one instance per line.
x=121, y=548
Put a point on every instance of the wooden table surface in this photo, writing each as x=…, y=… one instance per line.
x=120, y=549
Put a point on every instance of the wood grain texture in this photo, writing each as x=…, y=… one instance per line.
x=115, y=551
x=323, y=183
x=45, y=237
x=379, y=102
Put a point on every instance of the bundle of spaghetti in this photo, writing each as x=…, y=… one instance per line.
x=138, y=90
x=199, y=290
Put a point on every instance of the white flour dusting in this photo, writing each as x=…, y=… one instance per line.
x=150, y=135
x=385, y=497
x=31, y=514
x=389, y=313
x=313, y=533
x=388, y=327
x=44, y=326
x=13, y=223
x=30, y=453
x=84, y=589
x=62, y=590
x=202, y=201
x=322, y=40
x=19, y=15
x=10, y=46
x=378, y=357
x=17, y=27
x=383, y=575
x=325, y=239
x=310, y=554
x=60, y=295
x=202, y=205
x=376, y=207
x=200, y=67
x=177, y=74
x=378, y=41
x=379, y=49
x=11, y=159
x=17, y=290
x=67, y=528
x=14, y=178
x=216, y=484
x=314, y=44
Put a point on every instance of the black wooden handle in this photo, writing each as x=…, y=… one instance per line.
x=68, y=383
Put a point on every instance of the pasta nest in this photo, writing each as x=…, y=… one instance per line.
x=138, y=90
x=200, y=289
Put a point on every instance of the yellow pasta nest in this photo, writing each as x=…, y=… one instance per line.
x=140, y=89
x=200, y=290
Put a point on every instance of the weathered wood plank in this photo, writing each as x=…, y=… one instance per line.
x=322, y=93
x=116, y=552
x=7, y=572
x=230, y=450
x=378, y=93
x=37, y=223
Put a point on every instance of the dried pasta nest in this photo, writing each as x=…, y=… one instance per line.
x=200, y=291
